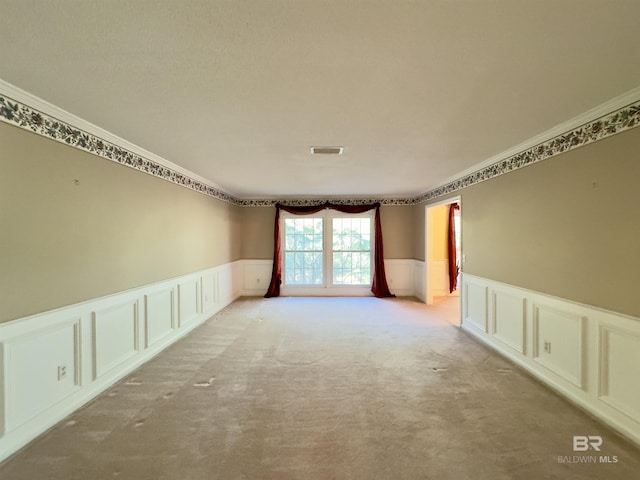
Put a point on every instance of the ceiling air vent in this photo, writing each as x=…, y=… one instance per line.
x=327, y=150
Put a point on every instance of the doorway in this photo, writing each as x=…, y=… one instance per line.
x=437, y=252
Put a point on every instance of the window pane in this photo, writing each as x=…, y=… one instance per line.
x=352, y=233
x=302, y=235
x=303, y=244
x=351, y=268
x=289, y=269
x=351, y=251
x=317, y=242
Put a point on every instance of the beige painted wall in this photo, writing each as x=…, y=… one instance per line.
x=257, y=237
x=418, y=220
x=567, y=226
x=397, y=231
x=62, y=243
x=257, y=232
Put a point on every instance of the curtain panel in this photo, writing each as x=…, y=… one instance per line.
x=379, y=285
x=451, y=248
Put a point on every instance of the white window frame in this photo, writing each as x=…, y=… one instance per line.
x=327, y=287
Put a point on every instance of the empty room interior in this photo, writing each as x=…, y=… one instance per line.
x=319, y=239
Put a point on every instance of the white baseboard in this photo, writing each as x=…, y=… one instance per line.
x=586, y=354
x=55, y=362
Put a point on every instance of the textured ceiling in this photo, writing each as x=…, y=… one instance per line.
x=237, y=91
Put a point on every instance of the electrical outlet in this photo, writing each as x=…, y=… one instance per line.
x=547, y=347
x=62, y=372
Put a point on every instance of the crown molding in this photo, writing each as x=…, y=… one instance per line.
x=24, y=110
x=39, y=116
x=617, y=121
x=563, y=128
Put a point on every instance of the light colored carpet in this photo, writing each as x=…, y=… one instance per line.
x=331, y=388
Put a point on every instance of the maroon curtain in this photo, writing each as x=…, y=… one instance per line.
x=276, y=271
x=451, y=248
x=379, y=286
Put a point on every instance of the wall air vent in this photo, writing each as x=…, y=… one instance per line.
x=327, y=150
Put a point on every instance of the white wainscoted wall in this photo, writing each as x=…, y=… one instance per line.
x=52, y=363
x=589, y=355
x=401, y=276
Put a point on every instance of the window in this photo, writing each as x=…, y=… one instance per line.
x=303, y=251
x=327, y=249
x=351, y=249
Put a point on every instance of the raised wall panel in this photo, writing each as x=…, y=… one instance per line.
x=419, y=279
x=257, y=276
x=225, y=284
x=98, y=342
x=159, y=321
x=475, y=305
x=43, y=369
x=509, y=320
x=591, y=354
x=557, y=342
x=399, y=276
x=619, y=378
x=209, y=292
x=236, y=279
x=187, y=301
x=115, y=336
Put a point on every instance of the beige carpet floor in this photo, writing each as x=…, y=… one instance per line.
x=331, y=388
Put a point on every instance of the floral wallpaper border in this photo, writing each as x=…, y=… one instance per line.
x=615, y=122
x=23, y=116
x=298, y=202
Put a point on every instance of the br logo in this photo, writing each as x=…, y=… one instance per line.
x=582, y=443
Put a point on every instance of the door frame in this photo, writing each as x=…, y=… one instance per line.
x=428, y=246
